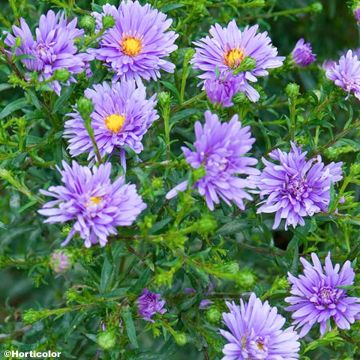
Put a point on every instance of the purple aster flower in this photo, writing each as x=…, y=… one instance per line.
x=346, y=73
x=221, y=89
x=255, y=332
x=149, y=304
x=138, y=43
x=60, y=261
x=96, y=205
x=121, y=117
x=317, y=296
x=205, y=303
x=220, y=150
x=228, y=47
x=296, y=187
x=357, y=14
x=52, y=49
x=302, y=53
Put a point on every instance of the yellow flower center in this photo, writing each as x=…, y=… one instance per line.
x=234, y=57
x=131, y=46
x=94, y=200
x=115, y=122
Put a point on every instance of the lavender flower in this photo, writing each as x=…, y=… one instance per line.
x=226, y=50
x=296, y=187
x=346, y=73
x=220, y=149
x=149, y=304
x=221, y=89
x=255, y=332
x=205, y=303
x=60, y=261
x=121, y=117
x=53, y=49
x=95, y=204
x=138, y=43
x=318, y=296
x=357, y=14
x=302, y=53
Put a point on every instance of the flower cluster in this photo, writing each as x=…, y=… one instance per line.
x=121, y=116
x=295, y=187
x=256, y=332
x=95, y=204
x=137, y=45
x=226, y=52
x=220, y=148
x=53, y=49
x=149, y=304
x=319, y=295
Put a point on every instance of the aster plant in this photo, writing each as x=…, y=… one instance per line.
x=319, y=295
x=346, y=74
x=255, y=331
x=294, y=187
x=135, y=49
x=121, y=116
x=149, y=304
x=302, y=53
x=228, y=48
x=90, y=200
x=221, y=148
x=52, y=49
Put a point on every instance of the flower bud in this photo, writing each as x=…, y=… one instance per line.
x=62, y=75
x=88, y=23
x=189, y=53
x=157, y=183
x=247, y=64
x=106, y=339
x=213, y=315
x=206, y=224
x=60, y=261
x=164, y=98
x=108, y=21
x=246, y=279
x=292, y=90
x=85, y=107
x=181, y=339
x=316, y=7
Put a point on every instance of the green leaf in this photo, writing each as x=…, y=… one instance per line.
x=13, y=106
x=130, y=327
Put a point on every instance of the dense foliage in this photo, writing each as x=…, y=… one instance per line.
x=147, y=269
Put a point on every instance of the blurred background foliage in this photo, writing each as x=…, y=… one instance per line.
x=178, y=244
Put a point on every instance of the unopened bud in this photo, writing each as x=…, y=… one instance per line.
x=106, y=339
x=62, y=75
x=292, y=90
x=181, y=339
x=85, y=107
x=108, y=21
x=88, y=23
x=213, y=315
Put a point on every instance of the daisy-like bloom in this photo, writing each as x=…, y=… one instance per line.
x=220, y=149
x=302, y=53
x=296, y=187
x=256, y=332
x=228, y=47
x=221, y=89
x=95, y=204
x=135, y=47
x=52, y=49
x=346, y=73
x=317, y=296
x=121, y=116
x=149, y=304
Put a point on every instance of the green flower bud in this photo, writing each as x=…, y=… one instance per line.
x=164, y=98
x=213, y=315
x=62, y=75
x=181, y=339
x=108, y=21
x=246, y=279
x=316, y=7
x=157, y=183
x=189, y=53
x=18, y=42
x=88, y=23
x=85, y=107
x=206, y=224
x=292, y=90
x=198, y=173
x=106, y=339
x=247, y=64
x=230, y=267
x=240, y=98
